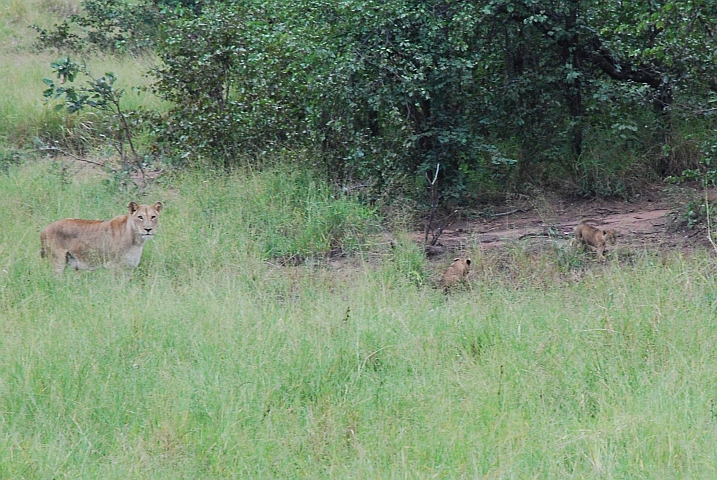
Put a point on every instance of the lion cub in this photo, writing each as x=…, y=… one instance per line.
x=456, y=272
x=594, y=237
x=90, y=244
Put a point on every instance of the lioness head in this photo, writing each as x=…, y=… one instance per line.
x=144, y=218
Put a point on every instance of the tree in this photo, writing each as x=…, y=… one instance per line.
x=99, y=94
x=665, y=45
x=382, y=90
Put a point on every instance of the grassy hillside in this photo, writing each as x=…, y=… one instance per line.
x=211, y=361
x=17, y=15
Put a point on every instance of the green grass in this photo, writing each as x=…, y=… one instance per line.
x=24, y=115
x=17, y=15
x=209, y=361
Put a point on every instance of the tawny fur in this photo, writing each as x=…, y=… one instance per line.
x=90, y=244
x=594, y=237
x=456, y=272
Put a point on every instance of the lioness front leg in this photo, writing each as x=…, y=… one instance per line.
x=59, y=262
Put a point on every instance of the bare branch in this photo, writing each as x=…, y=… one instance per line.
x=439, y=231
x=434, y=202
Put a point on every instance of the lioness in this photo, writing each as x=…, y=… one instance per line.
x=594, y=237
x=456, y=272
x=89, y=244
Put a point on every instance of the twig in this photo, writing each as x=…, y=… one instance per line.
x=124, y=132
x=439, y=231
x=550, y=232
x=709, y=222
x=434, y=206
x=507, y=213
x=79, y=159
x=533, y=235
x=434, y=201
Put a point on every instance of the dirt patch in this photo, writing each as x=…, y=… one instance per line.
x=643, y=224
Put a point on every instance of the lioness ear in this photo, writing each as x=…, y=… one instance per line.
x=456, y=259
x=158, y=206
x=468, y=261
x=132, y=207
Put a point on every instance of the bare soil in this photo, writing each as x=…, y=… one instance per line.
x=651, y=222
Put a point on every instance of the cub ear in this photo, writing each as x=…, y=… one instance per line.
x=468, y=261
x=133, y=207
x=456, y=259
x=158, y=206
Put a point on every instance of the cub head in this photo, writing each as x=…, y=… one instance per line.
x=461, y=266
x=610, y=236
x=144, y=218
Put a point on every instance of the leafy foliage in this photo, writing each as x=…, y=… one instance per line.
x=114, y=25
x=99, y=94
x=381, y=88
x=495, y=91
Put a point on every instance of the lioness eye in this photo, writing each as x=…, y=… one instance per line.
x=154, y=216
x=140, y=217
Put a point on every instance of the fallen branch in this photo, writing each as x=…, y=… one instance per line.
x=549, y=232
x=437, y=233
x=79, y=159
x=508, y=213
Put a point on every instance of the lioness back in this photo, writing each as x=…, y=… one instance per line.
x=90, y=244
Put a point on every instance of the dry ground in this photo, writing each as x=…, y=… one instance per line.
x=651, y=223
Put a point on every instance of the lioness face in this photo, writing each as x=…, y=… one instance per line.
x=144, y=218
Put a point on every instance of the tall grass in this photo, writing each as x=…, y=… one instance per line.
x=24, y=115
x=17, y=15
x=209, y=361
